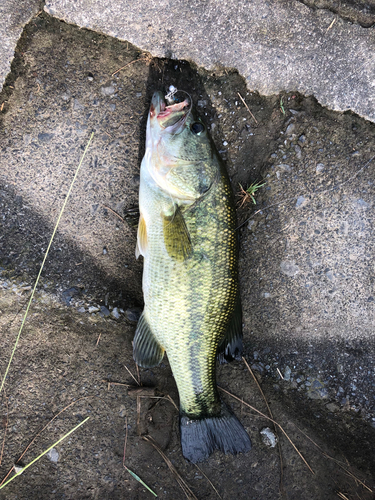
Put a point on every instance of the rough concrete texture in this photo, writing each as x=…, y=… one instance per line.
x=306, y=268
x=358, y=11
x=13, y=17
x=276, y=45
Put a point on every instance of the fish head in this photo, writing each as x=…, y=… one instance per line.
x=178, y=148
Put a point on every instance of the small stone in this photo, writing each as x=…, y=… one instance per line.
x=45, y=137
x=300, y=201
x=302, y=139
x=53, y=455
x=133, y=314
x=104, y=310
x=269, y=438
x=105, y=251
x=93, y=309
x=81, y=310
x=202, y=103
x=225, y=143
x=252, y=225
x=115, y=313
x=70, y=293
x=77, y=105
x=290, y=129
x=108, y=90
x=287, y=373
x=289, y=268
x=319, y=168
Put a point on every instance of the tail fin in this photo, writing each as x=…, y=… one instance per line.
x=200, y=437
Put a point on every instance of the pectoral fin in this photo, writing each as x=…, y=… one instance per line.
x=141, y=247
x=231, y=346
x=176, y=236
x=147, y=352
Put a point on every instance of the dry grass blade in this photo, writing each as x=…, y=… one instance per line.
x=115, y=383
x=144, y=58
x=200, y=470
x=185, y=488
x=341, y=495
x=44, y=260
x=115, y=213
x=340, y=464
x=5, y=428
x=271, y=420
x=127, y=468
x=132, y=376
x=43, y=453
x=247, y=107
x=282, y=491
x=40, y=432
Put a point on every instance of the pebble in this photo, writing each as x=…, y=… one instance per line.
x=133, y=314
x=300, y=201
x=287, y=373
x=319, y=168
x=108, y=90
x=53, y=455
x=115, y=313
x=269, y=438
x=289, y=267
x=104, y=310
x=93, y=309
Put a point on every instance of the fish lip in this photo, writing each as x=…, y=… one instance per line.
x=162, y=112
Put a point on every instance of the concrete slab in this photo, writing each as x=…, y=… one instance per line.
x=276, y=45
x=13, y=17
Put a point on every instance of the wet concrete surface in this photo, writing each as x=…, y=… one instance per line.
x=306, y=271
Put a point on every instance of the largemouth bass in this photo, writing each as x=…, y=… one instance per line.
x=186, y=235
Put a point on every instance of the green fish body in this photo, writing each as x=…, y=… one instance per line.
x=187, y=237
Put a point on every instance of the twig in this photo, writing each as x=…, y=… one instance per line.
x=200, y=470
x=185, y=488
x=117, y=215
x=279, y=372
x=115, y=383
x=142, y=58
x=335, y=460
x=138, y=375
x=247, y=107
x=126, y=440
x=332, y=23
x=132, y=376
x=100, y=334
x=282, y=491
x=274, y=421
x=138, y=415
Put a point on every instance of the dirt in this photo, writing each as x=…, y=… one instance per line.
x=298, y=339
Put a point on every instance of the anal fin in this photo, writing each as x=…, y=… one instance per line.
x=147, y=352
x=231, y=346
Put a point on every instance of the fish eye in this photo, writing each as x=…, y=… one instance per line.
x=197, y=128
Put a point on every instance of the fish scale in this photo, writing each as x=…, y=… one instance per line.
x=188, y=240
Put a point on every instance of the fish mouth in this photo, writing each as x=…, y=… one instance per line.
x=170, y=117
